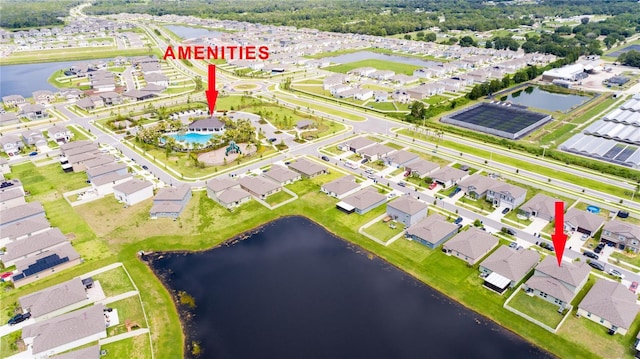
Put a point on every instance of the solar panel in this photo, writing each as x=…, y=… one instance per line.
x=497, y=117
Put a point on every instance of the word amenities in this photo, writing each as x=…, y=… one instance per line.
x=226, y=52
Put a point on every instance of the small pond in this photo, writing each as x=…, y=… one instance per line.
x=536, y=97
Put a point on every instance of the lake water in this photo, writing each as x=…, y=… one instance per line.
x=368, y=55
x=538, y=98
x=188, y=32
x=293, y=290
x=26, y=78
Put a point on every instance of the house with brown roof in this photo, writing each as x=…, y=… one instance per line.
x=582, y=221
x=540, y=206
x=227, y=192
x=308, y=168
x=56, y=300
x=557, y=284
x=43, y=264
x=407, y=210
x=421, y=167
x=340, y=187
x=470, y=245
x=170, y=201
x=476, y=185
x=133, y=191
x=432, y=231
x=29, y=247
x=259, y=187
x=611, y=305
x=362, y=201
x=448, y=176
x=282, y=175
x=506, y=267
x=65, y=332
x=624, y=236
x=501, y=194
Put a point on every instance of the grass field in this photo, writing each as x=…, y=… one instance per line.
x=137, y=347
x=384, y=231
x=129, y=309
x=396, y=67
x=114, y=282
x=72, y=55
x=325, y=109
x=536, y=308
x=278, y=197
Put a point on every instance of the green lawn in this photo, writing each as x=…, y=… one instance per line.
x=72, y=55
x=128, y=309
x=325, y=109
x=383, y=106
x=630, y=258
x=480, y=203
x=114, y=282
x=396, y=67
x=384, y=231
x=536, y=308
x=394, y=145
x=278, y=197
x=77, y=135
x=137, y=347
x=8, y=344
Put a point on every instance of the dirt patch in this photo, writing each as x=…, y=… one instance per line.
x=218, y=157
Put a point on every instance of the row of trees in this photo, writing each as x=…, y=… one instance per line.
x=36, y=13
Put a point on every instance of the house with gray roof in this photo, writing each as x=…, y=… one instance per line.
x=470, y=245
x=45, y=263
x=582, y=221
x=170, y=201
x=9, y=118
x=305, y=124
x=13, y=100
x=23, y=228
x=421, y=167
x=432, y=231
x=340, y=187
x=375, y=151
x=33, y=138
x=65, y=332
x=33, y=112
x=611, y=305
x=43, y=96
x=11, y=144
x=407, y=210
x=227, y=192
x=358, y=143
x=400, y=158
x=11, y=193
x=476, y=185
x=259, y=187
x=19, y=213
x=92, y=352
x=133, y=191
x=56, y=300
x=448, y=176
x=282, y=175
x=503, y=194
x=60, y=134
x=211, y=124
x=506, y=267
x=539, y=206
x=623, y=235
x=29, y=247
x=557, y=284
x=308, y=168
x=362, y=201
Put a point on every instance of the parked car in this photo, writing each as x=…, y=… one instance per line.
x=144, y=167
x=590, y=254
x=599, y=248
x=458, y=220
x=584, y=237
x=273, y=139
x=455, y=192
x=508, y=231
x=34, y=153
x=597, y=265
x=364, y=160
x=623, y=214
x=616, y=273
x=506, y=210
x=433, y=185
x=633, y=287
x=19, y=318
x=325, y=158
x=5, y=275
x=547, y=246
x=402, y=184
x=513, y=245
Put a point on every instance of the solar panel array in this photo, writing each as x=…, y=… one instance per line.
x=498, y=117
x=40, y=265
x=6, y=184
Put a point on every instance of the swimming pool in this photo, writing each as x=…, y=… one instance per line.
x=192, y=137
x=593, y=209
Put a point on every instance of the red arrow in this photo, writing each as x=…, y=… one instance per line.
x=559, y=238
x=211, y=93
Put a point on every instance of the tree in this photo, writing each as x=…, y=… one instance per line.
x=417, y=110
x=467, y=41
x=407, y=37
x=630, y=58
x=584, y=20
x=198, y=81
x=430, y=37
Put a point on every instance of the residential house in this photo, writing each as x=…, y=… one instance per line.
x=375, y=152
x=43, y=264
x=259, y=187
x=227, y=192
x=582, y=221
x=624, y=236
x=44, y=97
x=611, y=305
x=282, y=175
x=362, y=94
x=60, y=134
x=305, y=125
x=558, y=284
x=111, y=98
x=19, y=213
x=56, y=300
x=503, y=194
x=506, y=267
x=425, y=90
x=13, y=100
x=362, y=201
x=9, y=118
x=400, y=158
x=358, y=143
x=308, y=168
x=407, y=210
x=138, y=95
x=156, y=79
x=340, y=187
x=539, y=206
x=11, y=193
x=400, y=96
x=421, y=168
x=402, y=79
x=363, y=71
x=133, y=191
x=380, y=96
x=170, y=201
x=33, y=138
x=476, y=185
x=34, y=245
x=23, y=229
x=65, y=332
x=470, y=245
x=432, y=231
x=152, y=89
x=382, y=75
x=33, y=112
x=71, y=93
x=85, y=104
x=103, y=178
x=448, y=176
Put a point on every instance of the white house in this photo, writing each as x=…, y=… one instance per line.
x=133, y=191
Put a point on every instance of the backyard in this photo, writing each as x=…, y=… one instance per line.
x=384, y=231
x=536, y=308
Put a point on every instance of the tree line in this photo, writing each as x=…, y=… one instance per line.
x=18, y=14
